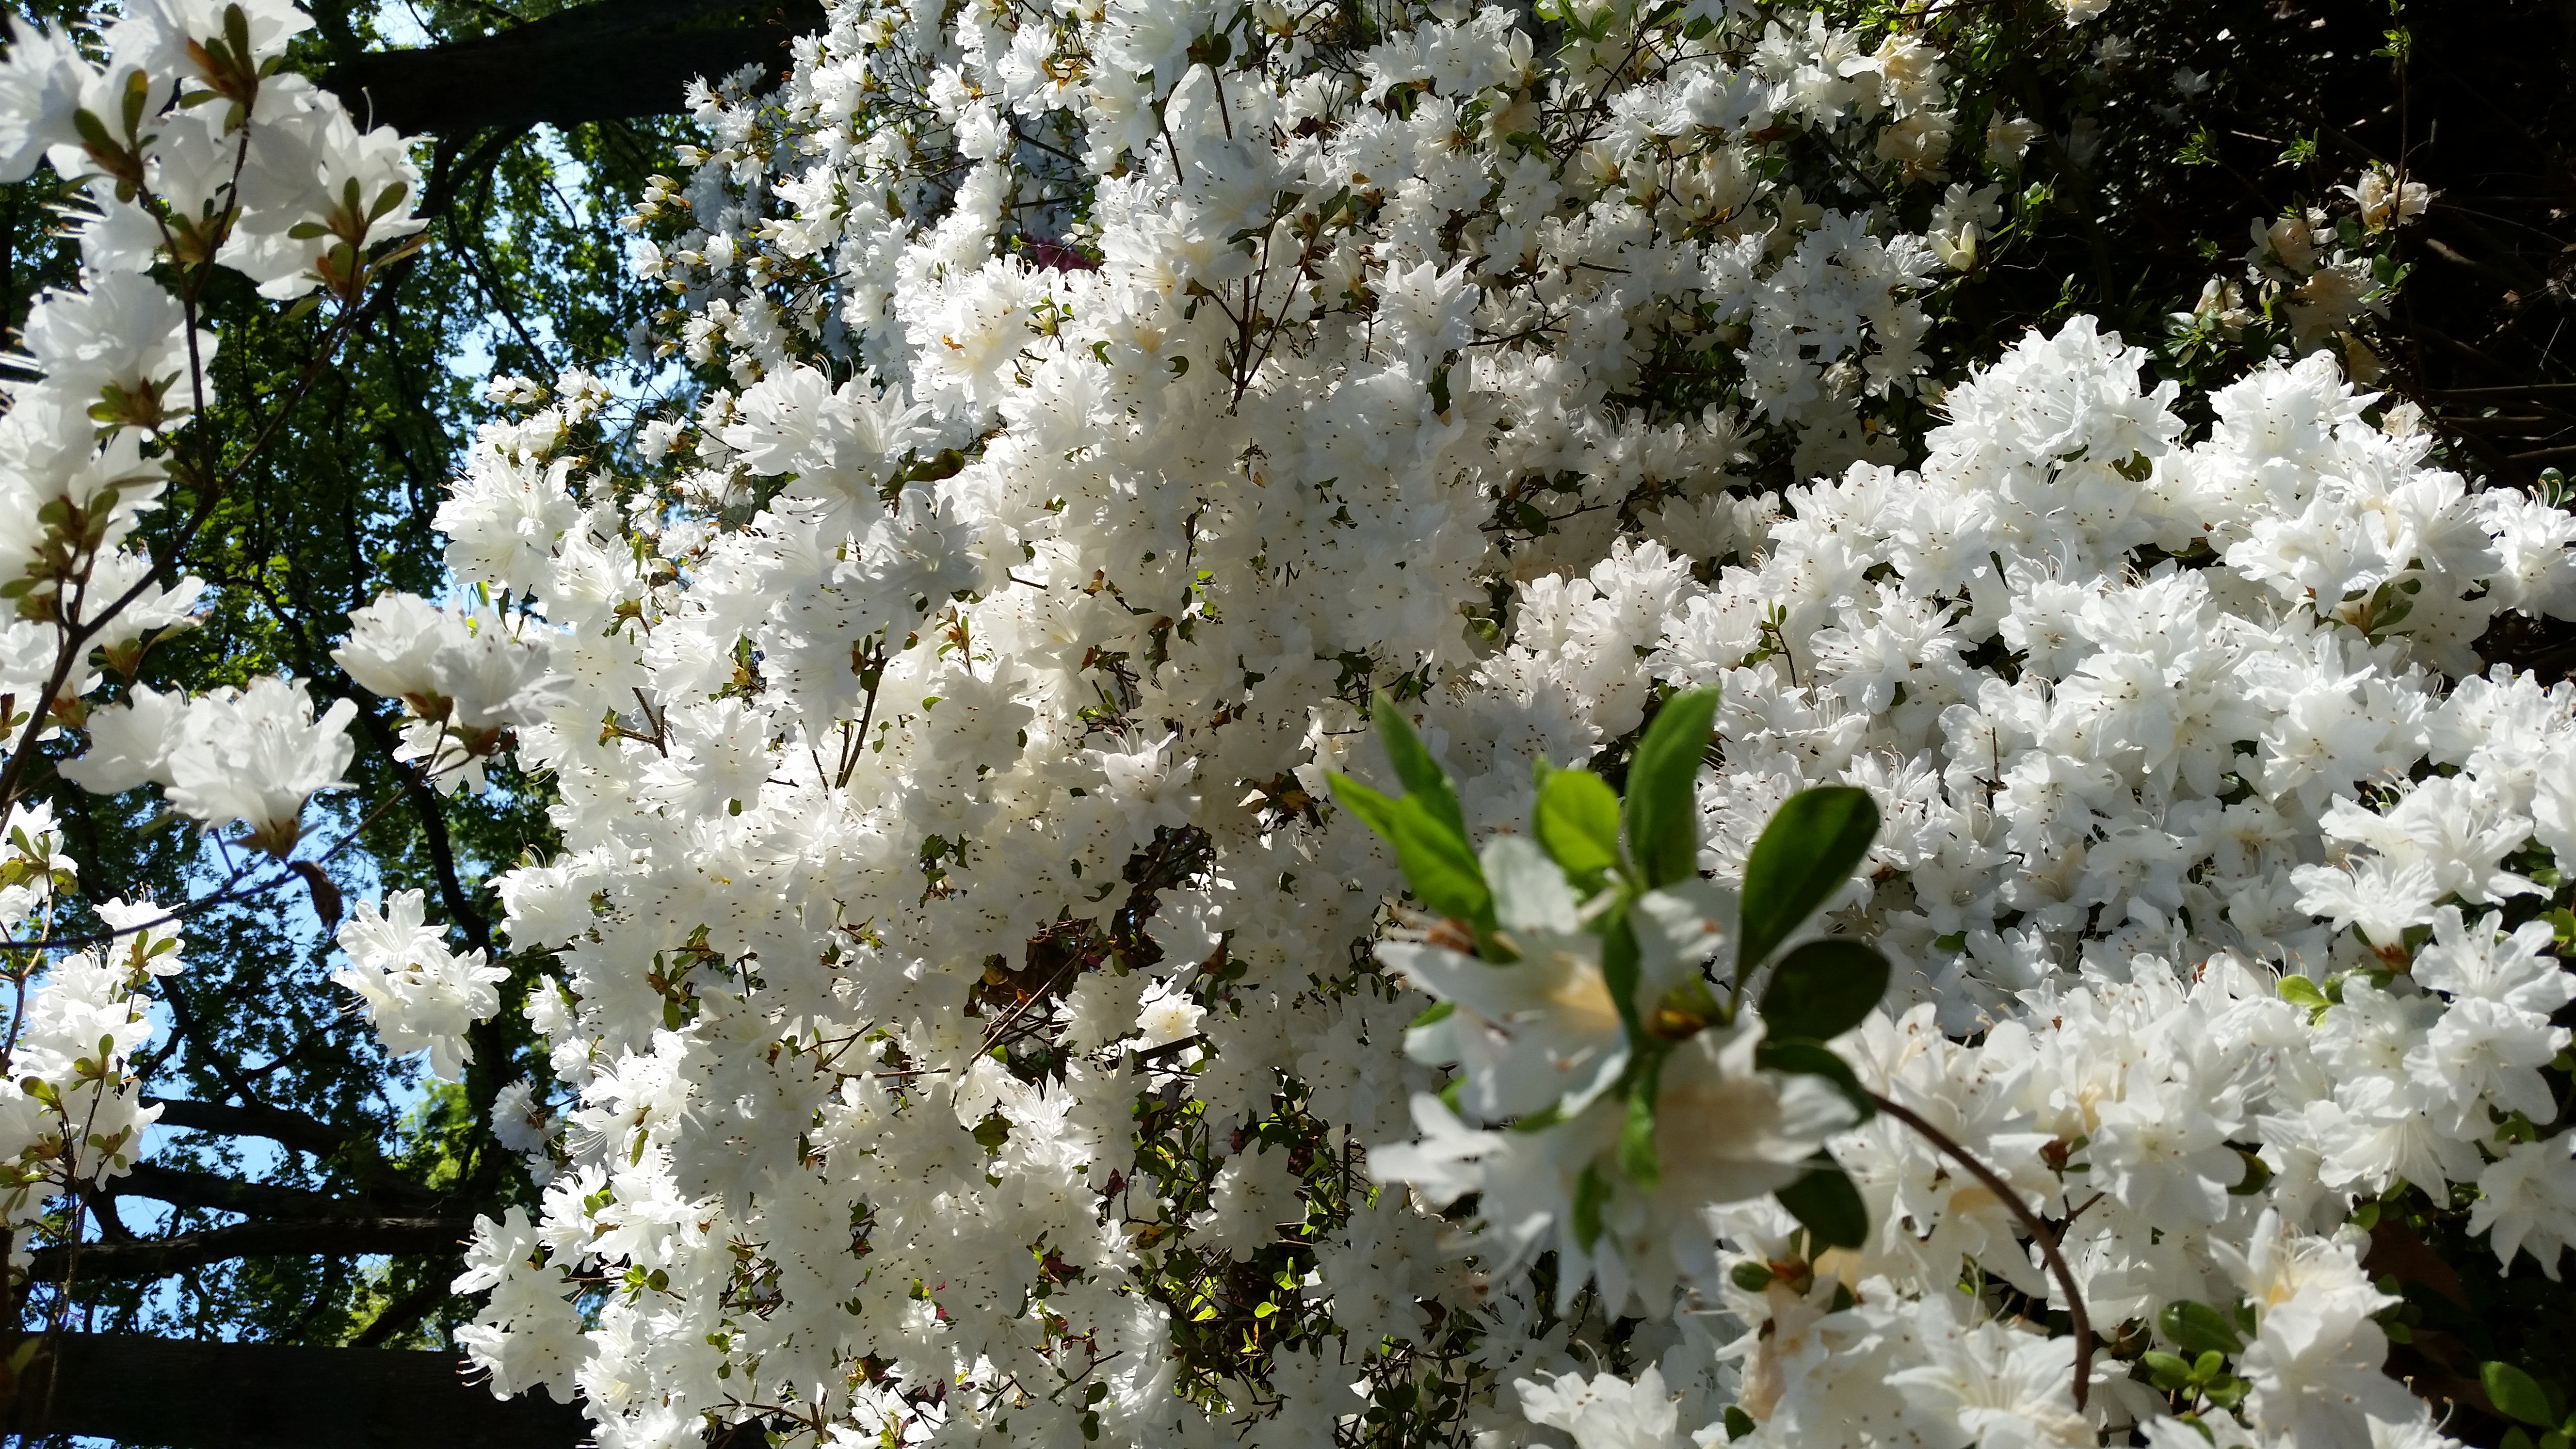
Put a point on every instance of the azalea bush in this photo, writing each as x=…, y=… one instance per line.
x=1346, y=725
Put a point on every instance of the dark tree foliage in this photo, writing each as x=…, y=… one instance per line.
x=2159, y=152
x=2149, y=181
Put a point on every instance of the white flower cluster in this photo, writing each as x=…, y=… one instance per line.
x=2120, y=701
x=253, y=756
x=468, y=677
x=1540, y=1043
x=418, y=993
x=2125, y=1109
x=957, y=998
x=2318, y=275
x=1345, y=333
x=72, y=1113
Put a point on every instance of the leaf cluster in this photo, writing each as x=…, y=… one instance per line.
x=1614, y=850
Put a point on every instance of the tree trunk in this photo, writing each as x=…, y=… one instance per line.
x=141, y=1390
x=602, y=61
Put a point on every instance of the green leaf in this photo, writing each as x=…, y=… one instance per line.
x=1815, y=1059
x=1620, y=967
x=1828, y=1205
x=2300, y=991
x=1663, y=805
x=1804, y=855
x=1443, y=871
x=1823, y=989
x=2258, y=1175
x=1377, y=810
x=1420, y=773
x=2517, y=1395
x=1738, y=1422
x=2169, y=1372
x=138, y=92
x=1637, y=1160
x=93, y=131
x=1590, y=1192
x=1577, y=821
x=2198, y=1328
x=2562, y=923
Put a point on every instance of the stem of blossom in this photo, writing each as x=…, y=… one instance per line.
x=22, y=968
x=2030, y=1220
x=19, y=973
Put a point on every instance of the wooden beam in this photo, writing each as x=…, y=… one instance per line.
x=137, y=1389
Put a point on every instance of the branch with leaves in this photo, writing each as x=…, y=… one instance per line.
x=1598, y=918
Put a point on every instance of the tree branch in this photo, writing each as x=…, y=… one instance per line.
x=2031, y=1223
x=396, y=1237
x=185, y=1022
x=291, y=1129
x=183, y=1188
x=602, y=61
x=432, y=813
x=403, y=1312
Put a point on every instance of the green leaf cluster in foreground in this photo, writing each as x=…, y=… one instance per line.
x=1614, y=850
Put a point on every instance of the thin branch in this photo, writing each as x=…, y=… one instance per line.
x=2030, y=1221
x=403, y=1312
x=432, y=814
x=185, y=1021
